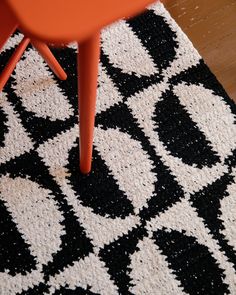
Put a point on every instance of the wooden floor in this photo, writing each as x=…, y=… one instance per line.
x=211, y=26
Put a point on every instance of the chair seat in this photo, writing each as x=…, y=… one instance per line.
x=61, y=21
x=64, y=21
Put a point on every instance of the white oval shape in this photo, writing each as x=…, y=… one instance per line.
x=90, y=271
x=129, y=163
x=38, y=89
x=150, y=273
x=36, y=215
x=211, y=114
x=126, y=51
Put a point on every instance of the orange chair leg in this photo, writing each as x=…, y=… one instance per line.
x=88, y=59
x=46, y=53
x=7, y=71
x=7, y=24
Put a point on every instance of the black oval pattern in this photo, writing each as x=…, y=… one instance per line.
x=194, y=268
x=157, y=36
x=180, y=134
x=192, y=263
x=98, y=190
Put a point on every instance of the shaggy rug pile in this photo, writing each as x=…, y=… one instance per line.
x=157, y=214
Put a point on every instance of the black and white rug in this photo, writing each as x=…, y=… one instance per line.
x=157, y=215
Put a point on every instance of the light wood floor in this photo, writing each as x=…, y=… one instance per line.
x=211, y=26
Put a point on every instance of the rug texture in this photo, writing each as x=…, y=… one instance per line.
x=157, y=214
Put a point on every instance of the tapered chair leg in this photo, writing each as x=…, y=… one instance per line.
x=7, y=26
x=88, y=59
x=46, y=53
x=7, y=71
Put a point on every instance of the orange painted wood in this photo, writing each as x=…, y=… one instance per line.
x=7, y=71
x=47, y=55
x=42, y=49
x=88, y=58
x=74, y=20
x=8, y=24
x=60, y=22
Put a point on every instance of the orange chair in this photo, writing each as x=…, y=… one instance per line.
x=60, y=22
x=7, y=27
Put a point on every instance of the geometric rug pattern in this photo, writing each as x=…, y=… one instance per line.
x=157, y=213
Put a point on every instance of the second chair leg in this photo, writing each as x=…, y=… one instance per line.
x=46, y=53
x=7, y=71
x=88, y=59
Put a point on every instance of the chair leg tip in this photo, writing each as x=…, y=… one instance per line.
x=63, y=76
x=85, y=170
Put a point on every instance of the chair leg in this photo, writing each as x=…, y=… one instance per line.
x=7, y=24
x=88, y=59
x=7, y=71
x=46, y=53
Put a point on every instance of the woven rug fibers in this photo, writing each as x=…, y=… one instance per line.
x=157, y=214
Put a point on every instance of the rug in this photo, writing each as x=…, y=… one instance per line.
x=157, y=214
